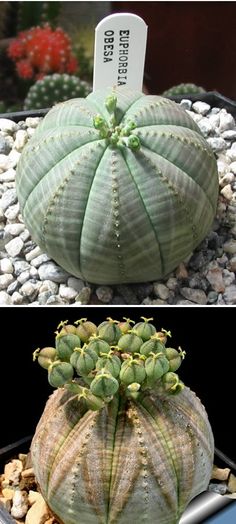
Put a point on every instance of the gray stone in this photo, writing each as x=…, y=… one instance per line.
x=5, y=299
x=172, y=283
x=104, y=294
x=55, y=300
x=217, y=143
x=75, y=283
x=50, y=271
x=194, y=295
x=39, y=260
x=229, y=295
x=212, y=297
x=48, y=286
x=14, y=286
x=232, y=264
x=182, y=302
x=34, y=272
x=84, y=296
x=205, y=126
x=220, y=488
x=5, y=280
x=20, y=266
x=161, y=291
x=228, y=277
x=214, y=276
x=14, y=247
x=230, y=247
x=25, y=235
x=5, y=147
x=44, y=297
x=8, y=198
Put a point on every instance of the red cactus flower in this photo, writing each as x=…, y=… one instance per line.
x=46, y=50
x=24, y=69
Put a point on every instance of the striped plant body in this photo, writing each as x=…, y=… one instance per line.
x=118, y=187
x=137, y=453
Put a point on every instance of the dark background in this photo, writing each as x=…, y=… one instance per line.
x=188, y=42
x=206, y=334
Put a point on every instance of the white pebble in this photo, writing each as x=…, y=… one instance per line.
x=5, y=299
x=14, y=247
x=5, y=280
x=8, y=125
x=17, y=298
x=21, y=139
x=33, y=254
x=67, y=292
x=227, y=192
x=12, y=212
x=230, y=247
x=226, y=121
x=14, y=229
x=233, y=167
x=8, y=176
x=186, y=104
x=6, y=266
x=201, y=107
x=5, y=162
x=231, y=153
x=32, y=121
x=20, y=504
x=28, y=289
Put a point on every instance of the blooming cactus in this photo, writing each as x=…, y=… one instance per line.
x=111, y=450
x=118, y=187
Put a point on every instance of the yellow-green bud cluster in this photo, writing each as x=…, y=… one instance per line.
x=118, y=135
x=97, y=362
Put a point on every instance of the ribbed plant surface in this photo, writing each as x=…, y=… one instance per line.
x=118, y=195
x=129, y=462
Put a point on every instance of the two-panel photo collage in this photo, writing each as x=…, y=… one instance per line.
x=117, y=262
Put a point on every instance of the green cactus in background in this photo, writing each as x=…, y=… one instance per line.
x=130, y=179
x=183, y=89
x=55, y=88
x=122, y=439
x=36, y=13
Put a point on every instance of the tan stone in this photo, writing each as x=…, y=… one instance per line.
x=19, y=504
x=27, y=473
x=181, y=271
x=12, y=471
x=232, y=483
x=220, y=474
x=33, y=497
x=38, y=513
x=8, y=493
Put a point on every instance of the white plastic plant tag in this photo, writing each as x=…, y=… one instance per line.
x=119, y=54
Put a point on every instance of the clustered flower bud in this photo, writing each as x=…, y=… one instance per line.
x=97, y=362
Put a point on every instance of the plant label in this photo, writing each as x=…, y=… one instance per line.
x=119, y=54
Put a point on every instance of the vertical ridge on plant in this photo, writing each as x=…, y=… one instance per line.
x=147, y=180
x=138, y=452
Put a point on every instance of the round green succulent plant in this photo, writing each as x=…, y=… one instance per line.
x=122, y=439
x=118, y=187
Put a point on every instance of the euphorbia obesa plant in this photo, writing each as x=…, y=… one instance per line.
x=118, y=187
x=122, y=439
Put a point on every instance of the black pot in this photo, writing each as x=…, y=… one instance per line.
x=213, y=98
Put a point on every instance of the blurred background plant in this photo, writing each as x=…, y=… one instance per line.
x=46, y=38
